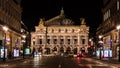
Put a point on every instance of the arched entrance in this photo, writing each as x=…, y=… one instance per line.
x=40, y=49
x=82, y=49
x=68, y=50
x=75, y=50
x=61, y=50
x=54, y=49
x=47, y=50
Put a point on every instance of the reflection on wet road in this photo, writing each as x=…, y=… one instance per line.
x=57, y=62
x=90, y=63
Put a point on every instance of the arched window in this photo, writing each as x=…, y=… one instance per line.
x=82, y=39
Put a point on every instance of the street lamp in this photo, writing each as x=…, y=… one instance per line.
x=118, y=27
x=24, y=36
x=100, y=42
x=5, y=29
x=46, y=40
x=90, y=40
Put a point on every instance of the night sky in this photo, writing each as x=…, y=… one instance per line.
x=33, y=10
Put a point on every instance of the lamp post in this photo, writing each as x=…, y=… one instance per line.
x=24, y=36
x=118, y=27
x=5, y=29
x=46, y=41
x=100, y=42
x=90, y=40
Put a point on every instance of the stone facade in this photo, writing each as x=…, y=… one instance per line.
x=60, y=35
x=111, y=19
x=10, y=16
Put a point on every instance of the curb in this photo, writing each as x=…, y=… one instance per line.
x=111, y=62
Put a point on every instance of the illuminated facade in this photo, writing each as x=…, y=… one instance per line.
x=60, y=35
x=111, y=18
x=10, y=16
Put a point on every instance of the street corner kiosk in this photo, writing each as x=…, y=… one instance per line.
x=16, y=52
x=2, y=52
x=27, y=51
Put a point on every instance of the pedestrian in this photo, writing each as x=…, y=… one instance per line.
x=33, y=54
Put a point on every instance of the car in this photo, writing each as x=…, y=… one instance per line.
x=81, y=54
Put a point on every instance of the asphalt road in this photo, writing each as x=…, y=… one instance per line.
x=56, y=62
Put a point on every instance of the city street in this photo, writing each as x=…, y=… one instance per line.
x=57, y=62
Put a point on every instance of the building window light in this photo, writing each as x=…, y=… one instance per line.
x=109, y=13
x=118, y=5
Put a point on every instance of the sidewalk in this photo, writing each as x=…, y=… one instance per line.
x=10, y=60
x=13, y=60
x=110, y=61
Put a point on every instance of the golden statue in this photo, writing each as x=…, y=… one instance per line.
x=82, y=21
x=41, y=23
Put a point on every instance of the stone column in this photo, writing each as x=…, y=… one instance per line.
x=71, y=40
x=44, y=39
x=10, y=51
x=86, y=38
x=51, y=42
x=64, y=40
x=50, y=39
x=65, y=49
x=78, y=39
x=58, y=40
x=78, y=49
x=36, y=40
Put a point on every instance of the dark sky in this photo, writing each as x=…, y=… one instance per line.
x=33, y=10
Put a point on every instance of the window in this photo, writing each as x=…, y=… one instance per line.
x=109, y=13
x=61, y=41
x=15, y=2
x=40, y=41
x=55, y=41
x=75, y=41
x=118, y=5
x=0, y=3
x=68, y=41
x=66, y=30
x=52, y=30
x=73, y=30
x=33, y=42
x=83, y=41
x=48, y=41
x=106, y=15
x=59, y=30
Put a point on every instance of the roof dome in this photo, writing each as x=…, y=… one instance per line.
x=67, y=22
x=59, y=20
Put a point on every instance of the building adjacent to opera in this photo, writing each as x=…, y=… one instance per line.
x=10, y=16
x=58, y=34
x=111, y=19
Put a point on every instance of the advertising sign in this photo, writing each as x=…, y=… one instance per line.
x=107, y=53
x=104, y=53
x=16, y=53
x=98, y=53
x=2, y=53
x=27, y=51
